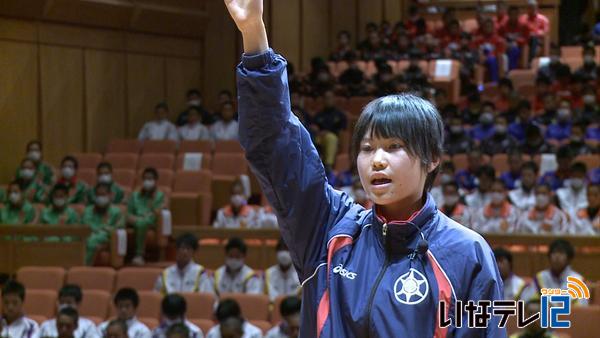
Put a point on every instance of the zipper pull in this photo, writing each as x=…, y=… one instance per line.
x=384, y=229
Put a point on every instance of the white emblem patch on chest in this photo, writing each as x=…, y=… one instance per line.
x=411, y=288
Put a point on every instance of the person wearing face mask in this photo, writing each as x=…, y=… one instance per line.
x=467, y=178
x=352, y=79
x=290, y=325
x=266, y=218
x=501, y=142
x=17, y=209
x=590, y=113
x=497, y=216
x=59, y=212
x=235, y=276
x=237, y=214
x=589, y=68
x=104, y=172
x=78, y=190
x=194, y=99
x=534, y=142
x=457, y=140
x=544, y=217
x=485, y=128
x=558, y=133
x=573, y=196
x=523, y=197
x=512, y=177
x=33, y=190
x=281, y=279
x=577, y=142
x=517, y=128
x=160, y=128
x=185, y=275
x=470, y=114
x=193, y=130
x=43, y=171
x=587, y=220
x=103, y=218
x=143, y=210
x=452, y=205
x=226, y=128
x=70, y=296
x=481, y=196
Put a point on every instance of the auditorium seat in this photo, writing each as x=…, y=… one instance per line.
x=159, y=147
x=41, y=277
x=151, y=323
x=204, y=324
x=157, y=161
x=204, y=147
x=521, y=77
x=141, y=279
x=574, y=63
x=149, y=304
x=571, y=51
x=371, y=69
x=254, y=307
x=87, y=175
x=585, y=322
x=40, y=303
x=229, y=164
x=165, y=178
x=275, y=314
x=199, y=305
x=96, y=320
x=131, y=146
x=92, y=278
x=591, y=160
x=122, y=160
x=394, y=65
x=191, y=199
x=88, y=160
x=341, y=67
x=95, y=303
x=357, y=103
x=263, y=325
x=228, y=146
x=333, y=68
x=124, y=177
x=37, y=318
x=206, y=161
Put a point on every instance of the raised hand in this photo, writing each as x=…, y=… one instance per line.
x=247, y=15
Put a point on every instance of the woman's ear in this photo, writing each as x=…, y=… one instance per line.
x=434, y=164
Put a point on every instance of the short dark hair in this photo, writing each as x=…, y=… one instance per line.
x=178, y=329
x=12, y=287
x=125, y=294
x=564, y=152
x=412, y=119
x=71, y=290
x=501, y=252
x=452, y=184
x=227, y=308
x=102, y=185
x=505, y=82
x=187, y=240
x=173, y=306
x=151, y=170
x=70, y=158
x=579, y=167
x=104, y=164
x=193, y=91
x=226, y=92
x=236, y=243
x=531, y=166
x=161, y=105
x=289, y=306
x=486, y=170
x=524, y=104
x=59, y=187
x=32, y=142
x=281, y=245
x=120, y=323
x=69, y=312
x=26, y=159
x=562, y=245
x=233, y=323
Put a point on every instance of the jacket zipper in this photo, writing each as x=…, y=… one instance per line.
x=378, y=280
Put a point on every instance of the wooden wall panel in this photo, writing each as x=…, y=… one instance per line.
x=145, y=88
x=18, y=30
x=105, y=98
x=343, y=17
x=181, y=75
x=61, y=70
x=368, y=10
x=285, y=33
x=392, y=11
x=315, y=30
x=162, y=45
x=81, y=36
x=18, y=103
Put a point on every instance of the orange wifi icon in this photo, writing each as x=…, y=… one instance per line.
x=577, y=289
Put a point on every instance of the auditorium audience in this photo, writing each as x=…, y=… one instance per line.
x=161, y=128
x=237, y=214
x=235, y=275
x=281, y=279
x=58, y=211
x=544, y=217
x=500, y=142
x=43, y=171
x=289, y=327
x=513, y=284
x=104, y=174
x=17, y=209
x=498, y=215
x=226, y=127
x=173, y=309
x=32, y=188
x=126, y=302
x=229, y=316
x=77, y=188
x=194, y=99
x=457, y=139
x=70, y=296
x=14, y=321
x=193, y=129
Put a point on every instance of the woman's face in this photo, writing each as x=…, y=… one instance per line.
x=387, y=172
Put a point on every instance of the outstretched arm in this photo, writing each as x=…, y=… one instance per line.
x=247, y=15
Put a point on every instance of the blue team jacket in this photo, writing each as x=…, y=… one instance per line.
x=358, y=275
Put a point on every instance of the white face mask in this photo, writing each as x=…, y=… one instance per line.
x=284, y=258
x=238, y=201
x=589, y=99
x=194, y=103
x=148, y=184
x=541, y=200
x=14, y=197
x=577, y=183
x=563, y=114
x=234, y=263
x=588, y=58
x=68, y=172
x=34, y=155
x=102, y=201
x=105, y=178
x=451, y=199
x=60, y=202
x=27, y=173
x=497, y=197
x=446, y=178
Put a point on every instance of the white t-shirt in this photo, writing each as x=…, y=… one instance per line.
x=135, y=329
x=85, y=329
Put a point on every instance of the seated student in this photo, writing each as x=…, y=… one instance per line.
x=17, y=209
x=544, y=217
x=452, y=206
x=235, y=276
x=185, y=275
x=290, y=325
x=160, y=128
x=497, y=216
x=77, y=188
x=237, y=214
x=13, y=322
x=178, y=331
x=512, y=177
x=193, y=130
x=43, y=171
x=500, y=142
x=104, y=175
x=492, y=48
x=480, y=197
x=143, y=210
x=577, y=142
x=227, y=309
x=58, y=212
x=555, y=179
x=102, y=218
x=560, y=256
x=172, y=311
x=573, y=196
x=33, y=189
x=589, y=70
x=281, y=279
x=66, y=323
x=232, y=327
x=524, y=196
x=485, y=128
x=558, y=133
x=194, y=99
x=534, y=142
x=532, y=307
x=513, y=284
x=457, y=140
x=266, y=218
x=116, y=329
x=226, y=128
x=126, y=302
x=70, y=296
x=466, y=178
x=517, y=128
x=516, y=35
x=586, y=221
